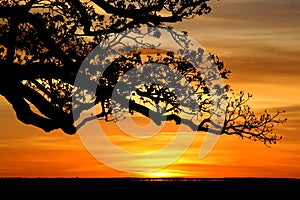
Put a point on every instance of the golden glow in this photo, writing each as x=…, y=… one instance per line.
x=163, y=174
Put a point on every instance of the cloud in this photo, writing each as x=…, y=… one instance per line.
x=257, y=40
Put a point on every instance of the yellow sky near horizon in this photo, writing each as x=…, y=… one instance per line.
x=259, y=41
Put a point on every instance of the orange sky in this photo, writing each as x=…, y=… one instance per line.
x=259, y=41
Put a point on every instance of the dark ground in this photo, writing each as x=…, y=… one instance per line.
x=114, y=188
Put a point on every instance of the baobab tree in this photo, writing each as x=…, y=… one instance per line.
x=44, y=43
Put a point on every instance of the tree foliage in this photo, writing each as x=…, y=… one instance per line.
x=43, y=44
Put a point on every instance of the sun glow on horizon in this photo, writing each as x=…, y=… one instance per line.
x=163, y=174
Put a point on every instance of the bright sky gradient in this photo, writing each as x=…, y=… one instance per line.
x=259, y=41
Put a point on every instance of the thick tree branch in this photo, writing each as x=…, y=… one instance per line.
x=53, y=117
x=38, y=70
x=128, y=13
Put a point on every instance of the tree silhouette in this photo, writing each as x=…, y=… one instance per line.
x=43, y=45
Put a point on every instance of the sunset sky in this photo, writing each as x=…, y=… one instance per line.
x=259, y=41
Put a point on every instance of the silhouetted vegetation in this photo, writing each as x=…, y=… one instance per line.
x=150, y=188
x=43, y=44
